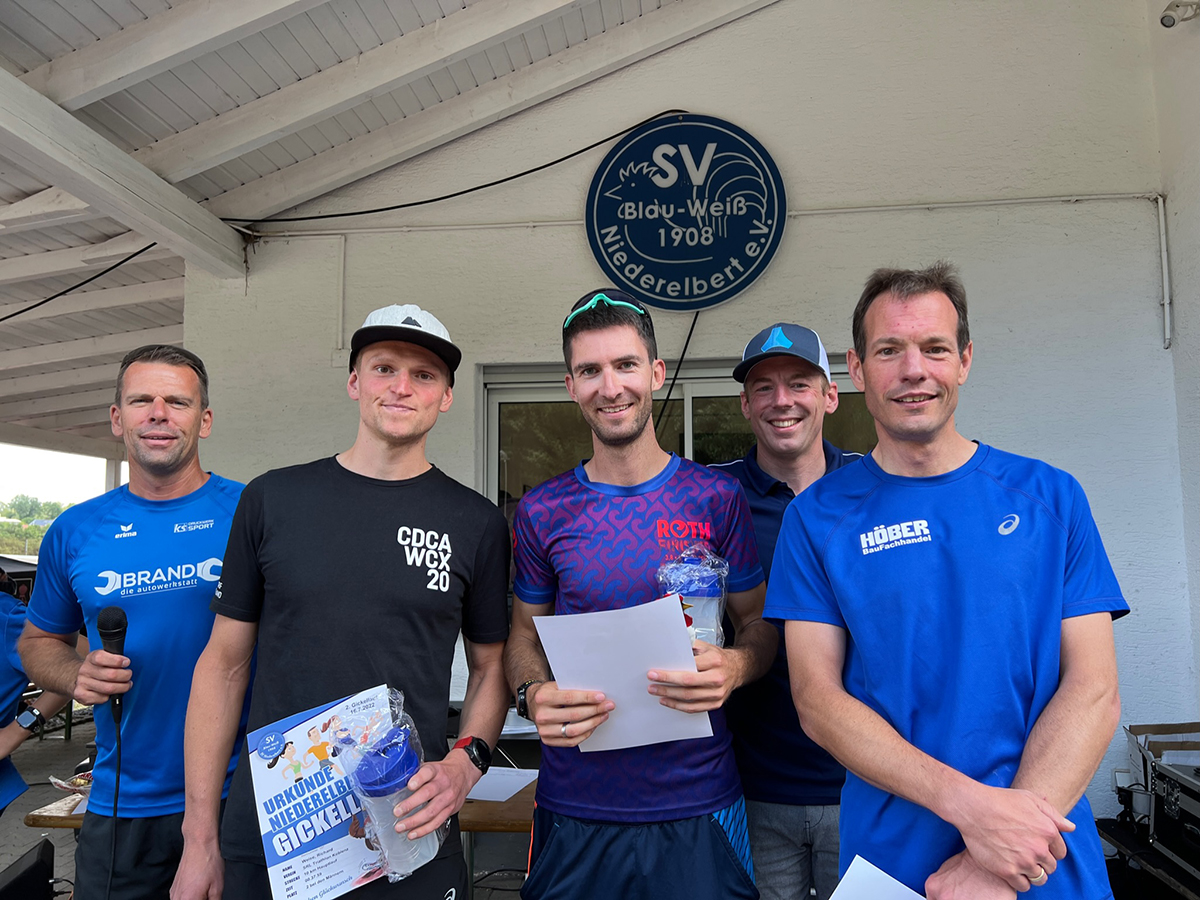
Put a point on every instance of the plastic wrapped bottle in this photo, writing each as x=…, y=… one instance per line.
x=380, y=778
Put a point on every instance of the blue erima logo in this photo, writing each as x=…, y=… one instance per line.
x=777, y=340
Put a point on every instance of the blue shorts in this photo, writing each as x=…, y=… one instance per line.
x=701, y=858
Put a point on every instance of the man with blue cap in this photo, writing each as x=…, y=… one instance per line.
x=792, y=785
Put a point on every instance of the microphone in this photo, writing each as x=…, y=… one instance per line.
x=112, y=624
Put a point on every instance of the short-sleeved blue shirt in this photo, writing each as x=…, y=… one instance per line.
x=12, y=685
x=160, y=562
x=952, y=590
x=778, y=762
x=586, y=546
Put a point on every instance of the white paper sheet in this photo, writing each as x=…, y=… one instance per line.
x=612, y=651
x=500, y=784
x=516, y=728
x=864, y=881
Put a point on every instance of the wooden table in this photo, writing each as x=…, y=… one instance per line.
x=59, y=814
x=514, y=815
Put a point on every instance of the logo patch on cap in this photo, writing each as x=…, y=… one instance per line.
x=777, y=340
x=409, y=320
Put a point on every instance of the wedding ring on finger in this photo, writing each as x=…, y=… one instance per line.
x=1040, y=879
x=564, y=729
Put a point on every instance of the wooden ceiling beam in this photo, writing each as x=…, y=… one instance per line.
x=54, y=146
x=153, y=46
x=488, y=103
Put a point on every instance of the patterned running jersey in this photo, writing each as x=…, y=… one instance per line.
x=587, y=547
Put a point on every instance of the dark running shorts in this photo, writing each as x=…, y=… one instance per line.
x=148, y=852
x=702, y=858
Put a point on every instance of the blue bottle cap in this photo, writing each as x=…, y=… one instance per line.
x=703, y=582
x=386, y=768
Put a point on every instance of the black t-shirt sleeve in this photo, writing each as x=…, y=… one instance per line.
x=239, y=592
x=485, y=608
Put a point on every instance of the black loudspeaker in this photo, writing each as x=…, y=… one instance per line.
x=30, y=876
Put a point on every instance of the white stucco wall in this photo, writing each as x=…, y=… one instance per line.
x=888, y=105
x=1176, y=56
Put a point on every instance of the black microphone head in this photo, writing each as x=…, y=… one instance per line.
x=111, y=619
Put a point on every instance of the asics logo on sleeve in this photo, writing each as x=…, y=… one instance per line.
x=1010, y=523
x=162, y=579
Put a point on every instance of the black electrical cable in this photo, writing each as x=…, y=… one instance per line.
x=679, y=365
x=112, y=862
x=367, y=212
x=470, y=190
x=75, y=287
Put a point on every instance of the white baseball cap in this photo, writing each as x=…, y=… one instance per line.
x=411, y=324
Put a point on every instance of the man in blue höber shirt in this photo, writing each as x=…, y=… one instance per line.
x=792, y=785
x=949, y=629
x=153, y=548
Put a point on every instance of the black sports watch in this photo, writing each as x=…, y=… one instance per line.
x=31, y=719
x=477, y=751
x=522, y=700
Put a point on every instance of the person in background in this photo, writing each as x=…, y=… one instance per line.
x=792, y=785
x=18, y=721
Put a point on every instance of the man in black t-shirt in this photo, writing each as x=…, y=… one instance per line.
x=416, y=558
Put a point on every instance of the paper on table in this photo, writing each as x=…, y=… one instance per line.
x=612, y=651
x=864, y=881
x=500, y=784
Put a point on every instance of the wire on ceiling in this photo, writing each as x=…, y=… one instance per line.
x=237, y=223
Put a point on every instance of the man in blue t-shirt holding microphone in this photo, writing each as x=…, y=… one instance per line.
x=153, y=548
x=791, y=784
x=949, y=628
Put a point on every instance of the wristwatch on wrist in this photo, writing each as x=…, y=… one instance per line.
x=522, y=699
x=31, y=719
x=477, y=751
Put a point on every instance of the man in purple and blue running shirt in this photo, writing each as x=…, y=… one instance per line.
x=665, y=820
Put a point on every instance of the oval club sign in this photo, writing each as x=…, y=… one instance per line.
x=685, y=212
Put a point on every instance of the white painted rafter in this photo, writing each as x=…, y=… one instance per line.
x=54, y=146
x=482, y=106
x=66, y=419
x=338, y=88
x=85, y=348
x=42, y=439
x=53, y=206
x=151, y=47
x=95, y=301
x=77, y=259
x=81, y=400
x=64, y=379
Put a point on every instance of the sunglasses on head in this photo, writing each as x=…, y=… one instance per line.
x=596, y=300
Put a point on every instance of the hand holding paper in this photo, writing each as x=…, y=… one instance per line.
x=611, y=653
x=566, y=718
x=706, y=688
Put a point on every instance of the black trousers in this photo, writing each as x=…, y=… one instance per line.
x=147, y=855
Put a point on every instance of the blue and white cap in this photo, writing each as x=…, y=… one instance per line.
x=783, y=339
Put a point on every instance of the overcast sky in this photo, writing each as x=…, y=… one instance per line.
x=47, y=475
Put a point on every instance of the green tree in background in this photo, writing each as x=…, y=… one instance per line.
x=24, y=507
